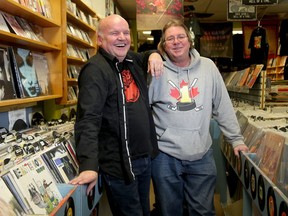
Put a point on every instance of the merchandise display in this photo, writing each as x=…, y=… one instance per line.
x=45, y=43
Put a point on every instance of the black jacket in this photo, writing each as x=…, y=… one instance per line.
x=100, y=123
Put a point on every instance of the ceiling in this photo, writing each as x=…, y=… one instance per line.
x=218, y=8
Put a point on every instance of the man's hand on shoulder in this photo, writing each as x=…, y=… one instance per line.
x=155, y=65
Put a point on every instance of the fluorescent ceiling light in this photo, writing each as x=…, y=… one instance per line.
x=147, y=32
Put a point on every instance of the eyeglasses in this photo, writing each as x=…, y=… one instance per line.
x=180, y=38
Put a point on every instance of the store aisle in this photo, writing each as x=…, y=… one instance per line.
x=105, y=211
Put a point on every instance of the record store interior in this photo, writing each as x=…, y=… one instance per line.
x=73, y=73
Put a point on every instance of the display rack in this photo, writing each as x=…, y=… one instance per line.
x=275, y=68
x=254, y=96
x=73, y=17
x=258, y=191
x=52, y=33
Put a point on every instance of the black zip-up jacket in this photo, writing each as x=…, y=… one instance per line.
x=101, y=126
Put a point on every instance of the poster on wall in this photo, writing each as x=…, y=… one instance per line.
x=153, y=14
x=216, y=41
x=237, y=11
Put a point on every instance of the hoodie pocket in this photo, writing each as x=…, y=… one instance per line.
x=182, y=143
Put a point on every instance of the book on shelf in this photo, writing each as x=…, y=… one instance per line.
x=7, y=88
x=14, y=25
x=37, y=185
x=24, y=72
x=3, y=24
x=269, y=153
x=42, y=70
x=61, y=163
x=9, y=204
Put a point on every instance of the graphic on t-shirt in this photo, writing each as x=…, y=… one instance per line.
x=131, y=89
x=257, y=42
x=184, y=94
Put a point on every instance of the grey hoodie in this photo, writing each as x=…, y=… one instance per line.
x=184, y=100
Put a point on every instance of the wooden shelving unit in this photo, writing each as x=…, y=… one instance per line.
x=52, y=33
x=68, y=38
x=275, y=68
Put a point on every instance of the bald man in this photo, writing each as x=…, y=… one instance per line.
x=114, y=130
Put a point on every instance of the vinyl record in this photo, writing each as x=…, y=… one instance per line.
x=246, y=174
x=90, y=198
x=271, y=203
x=283, y=209
x=239, y=166
x=261, y=193
x=253, y=183
x=70, y=207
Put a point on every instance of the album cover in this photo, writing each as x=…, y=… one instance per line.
x=9, y=204
x=42, y=70
x=255, y=70
x=269, y=153
x=60, y=159
x=24, y=72
x=37, y=185
x=14, y=25
x=7, y=88
x=3, y=24
x=27, y=28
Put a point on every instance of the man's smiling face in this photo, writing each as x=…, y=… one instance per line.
x=115, y=38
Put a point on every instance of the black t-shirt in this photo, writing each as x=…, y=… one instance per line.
x=138, y=120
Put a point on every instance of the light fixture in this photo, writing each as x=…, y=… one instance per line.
x=147, y=32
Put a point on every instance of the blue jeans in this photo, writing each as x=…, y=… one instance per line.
x=179, y=182
x=130, y=199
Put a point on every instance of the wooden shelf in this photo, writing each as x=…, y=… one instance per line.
x=51, y=30
x=68, y=38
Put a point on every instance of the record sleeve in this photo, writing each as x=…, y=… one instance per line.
x=269, y=154
x=37, y=185
x=7, y=88
x=14, y=25
x=60, y=159
x=42, y=71
x=3, y=24
x=9, y=204
x=24, y=72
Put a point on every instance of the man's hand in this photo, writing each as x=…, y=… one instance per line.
x=240, y=148
x=86, y=177
x=155, y=65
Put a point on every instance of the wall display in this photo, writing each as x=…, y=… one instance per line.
x=237, y=11
x=272, y=32
x=152, y=15
x=216, y=40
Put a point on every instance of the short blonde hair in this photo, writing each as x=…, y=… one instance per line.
x=174, y=22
